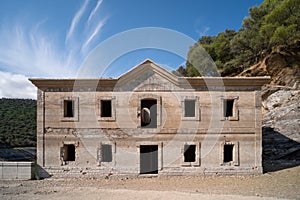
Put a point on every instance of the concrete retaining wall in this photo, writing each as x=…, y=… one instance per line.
x=17, y=170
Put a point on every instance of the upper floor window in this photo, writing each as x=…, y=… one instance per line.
x=149, y=111
x=230, y=109
x=106, y=108
x=190, y=108
x=70, y=106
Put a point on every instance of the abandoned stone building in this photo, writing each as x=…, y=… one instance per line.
x=149, y=121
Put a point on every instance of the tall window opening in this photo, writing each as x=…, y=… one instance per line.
x=106, y=153
x=106, y=108
x=69, y=152
x=228, y=107
x=228, y=153
x=189, y=107
x=68, y=108
x=149, y=113
x=189, y=153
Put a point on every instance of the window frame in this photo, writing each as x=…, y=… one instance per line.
x=197, y=155
x=113, y=154
x=158, y=110
x=235, y=154
x=197, y=108
x=113, y=110
x=67, y=143
x=75, y=101
x=235, y=109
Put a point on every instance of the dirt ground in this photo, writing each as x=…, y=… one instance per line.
x=283, y=184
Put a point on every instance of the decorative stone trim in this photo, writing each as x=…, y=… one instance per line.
x=113, y=108
x=197, y=116
x=75, y=117
x=159, y=108
x=235, y=108
x=113, y=152
x=197, y=155
x=235, y=154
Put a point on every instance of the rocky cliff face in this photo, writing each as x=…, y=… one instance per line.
x=281, y=106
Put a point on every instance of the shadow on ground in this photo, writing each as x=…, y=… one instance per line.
x=279, y=151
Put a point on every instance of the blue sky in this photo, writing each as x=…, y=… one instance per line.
x=52, y=38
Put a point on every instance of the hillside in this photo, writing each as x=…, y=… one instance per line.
x=266, y=45
x=268, y=26
x=17, y=123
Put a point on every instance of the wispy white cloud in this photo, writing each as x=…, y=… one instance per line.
x=94, y=11
x=34, y=50
x=93, y=34
x=16, y=86
x=76, y=19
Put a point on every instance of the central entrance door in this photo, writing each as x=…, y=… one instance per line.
x=149, y=159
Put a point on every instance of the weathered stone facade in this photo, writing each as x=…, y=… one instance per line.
x=149, y=121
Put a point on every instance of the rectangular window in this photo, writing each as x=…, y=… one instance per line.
x=106, y=108
x=228, y=153
x=189, y=153
x=68, y=108
x=228, y=107
x=68, y=152
x=106, y=153
x=148, y=113
x=189, y=107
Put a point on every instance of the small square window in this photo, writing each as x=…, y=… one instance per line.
x=189, y=153
x=189, y=107
x=68, y=108
x=68, y=152
x=106, y=108
x=228, y=107
x=106, y=153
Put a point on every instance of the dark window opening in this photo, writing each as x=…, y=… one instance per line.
x=68, y=108
x=189, y=153
x=106, y=108
x=69, y=152
x=228, y=153
x=149, y=113
x=228, y=107
x=189, y=108
x=106, y=153
x=149, y=159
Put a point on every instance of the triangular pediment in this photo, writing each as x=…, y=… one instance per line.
x=147, y=76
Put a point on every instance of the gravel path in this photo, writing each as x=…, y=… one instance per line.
x=284, y=184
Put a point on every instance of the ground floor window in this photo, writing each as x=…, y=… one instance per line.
x=230, y=153
x=68, y=152
x=191, y=154
x=106, y=153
